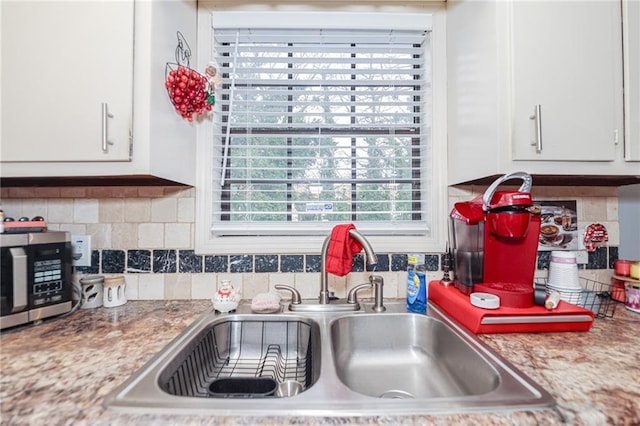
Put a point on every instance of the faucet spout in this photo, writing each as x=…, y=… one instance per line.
x=370, y=255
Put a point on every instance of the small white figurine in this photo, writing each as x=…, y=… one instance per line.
x=226, y=298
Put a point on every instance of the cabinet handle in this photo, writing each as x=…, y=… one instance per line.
x=105, y=126
x=537, y=117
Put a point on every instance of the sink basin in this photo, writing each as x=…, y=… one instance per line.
x=237, y=353
x=326, y=364
x=407, y=356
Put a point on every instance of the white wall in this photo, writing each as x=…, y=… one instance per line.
x=629, y=219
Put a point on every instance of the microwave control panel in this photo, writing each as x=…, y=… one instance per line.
x=49, y=275
x=47, y=281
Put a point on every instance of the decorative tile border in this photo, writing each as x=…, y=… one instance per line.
x=164, y=261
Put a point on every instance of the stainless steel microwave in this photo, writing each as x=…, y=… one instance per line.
x=36, y=277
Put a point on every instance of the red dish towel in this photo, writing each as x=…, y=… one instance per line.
x=341, y=250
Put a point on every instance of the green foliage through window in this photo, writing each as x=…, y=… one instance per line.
x=327, y=126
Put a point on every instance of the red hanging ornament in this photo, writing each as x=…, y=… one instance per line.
x=595, y=236
x=188, y=89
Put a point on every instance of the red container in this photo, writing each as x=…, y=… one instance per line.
x=617, y=290
x=622, y=267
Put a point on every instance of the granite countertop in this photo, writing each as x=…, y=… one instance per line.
x=59, y=372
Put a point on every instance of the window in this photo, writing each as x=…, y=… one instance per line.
x=318, y=125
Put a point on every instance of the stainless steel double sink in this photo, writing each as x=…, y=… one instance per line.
x=344, y=364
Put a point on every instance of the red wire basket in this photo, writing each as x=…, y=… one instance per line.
x=187, y=90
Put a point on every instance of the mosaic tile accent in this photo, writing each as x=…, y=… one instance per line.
x=357, y=263
x=431, y=262
x=313, y=263
x=544, y=257
x=216, y=263
x=164, y=261
x=95, y=264
x=113, y=261
x=291, y=263
x=189, y=262
x=398, y=262
x=613, y=256
x=243, y=263
x=598, y=259
x=381, y=266
x=138, y=261
x=266, y=263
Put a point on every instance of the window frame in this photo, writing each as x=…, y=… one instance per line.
x=436, y=201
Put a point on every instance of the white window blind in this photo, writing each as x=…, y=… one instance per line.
x=321, y=126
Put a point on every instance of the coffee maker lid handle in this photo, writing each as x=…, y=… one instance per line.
x=525, y=187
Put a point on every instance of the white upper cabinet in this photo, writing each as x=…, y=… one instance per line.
x=566, y=87
x=631, y=44
x=67, y=80
x=535, y=86
x=61, y=61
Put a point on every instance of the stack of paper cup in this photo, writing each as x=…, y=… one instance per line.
x=563, y=276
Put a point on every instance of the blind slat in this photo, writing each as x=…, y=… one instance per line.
x=352, y=131
x=336, y=61
x=322, y=37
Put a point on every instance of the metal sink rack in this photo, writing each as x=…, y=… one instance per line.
x=224, y=351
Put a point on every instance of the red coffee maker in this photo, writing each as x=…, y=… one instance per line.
x=495, y=240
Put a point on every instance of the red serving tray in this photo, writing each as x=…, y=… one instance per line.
x=536, y=319
x=17, y=227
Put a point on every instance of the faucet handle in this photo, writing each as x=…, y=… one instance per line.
x=378, y=284
x=352, y=297
x=295, y=294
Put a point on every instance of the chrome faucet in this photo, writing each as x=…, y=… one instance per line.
x=324, y=299
x=371, y=257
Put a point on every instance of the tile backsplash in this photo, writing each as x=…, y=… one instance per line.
x=147, y=235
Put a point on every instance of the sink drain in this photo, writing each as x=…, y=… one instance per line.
x=397, y=394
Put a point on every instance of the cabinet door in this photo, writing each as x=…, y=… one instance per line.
x=67, y=80
x=565, y=57
x=631, y=43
